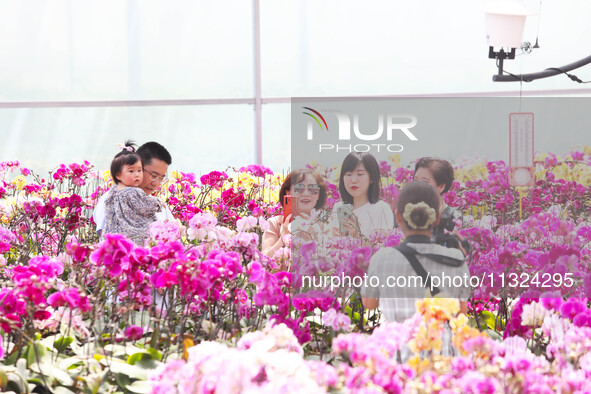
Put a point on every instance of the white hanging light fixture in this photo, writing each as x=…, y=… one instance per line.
x=505, y=23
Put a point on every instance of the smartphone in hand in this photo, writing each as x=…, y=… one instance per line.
x=290, y=206
x=343, y=213
x=341, y=216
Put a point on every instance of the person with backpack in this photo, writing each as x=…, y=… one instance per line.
x=398, y=277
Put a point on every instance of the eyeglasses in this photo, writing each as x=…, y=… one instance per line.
x=313, y=188
x=154, y=176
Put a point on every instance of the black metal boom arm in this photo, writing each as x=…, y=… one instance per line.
x=549, y=72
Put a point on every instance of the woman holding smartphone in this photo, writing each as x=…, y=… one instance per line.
x=301, y=192
x=361, y=212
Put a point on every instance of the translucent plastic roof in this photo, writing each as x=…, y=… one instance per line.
x=64, y=52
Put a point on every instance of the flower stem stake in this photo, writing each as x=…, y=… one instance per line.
x=520, y=189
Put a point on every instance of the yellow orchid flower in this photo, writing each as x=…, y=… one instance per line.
x=19, y=182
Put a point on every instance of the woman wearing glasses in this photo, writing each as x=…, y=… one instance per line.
x=310, y=191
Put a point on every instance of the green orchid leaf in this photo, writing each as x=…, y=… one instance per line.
x=62, y=343
x=156, y=355
x=134, y=358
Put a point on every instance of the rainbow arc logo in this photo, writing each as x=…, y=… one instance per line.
x=313, y=116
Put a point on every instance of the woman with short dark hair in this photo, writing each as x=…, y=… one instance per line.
x=439, y=173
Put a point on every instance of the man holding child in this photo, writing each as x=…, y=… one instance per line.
x=155, y=161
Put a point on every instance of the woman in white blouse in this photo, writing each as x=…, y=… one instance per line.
x=359, y=186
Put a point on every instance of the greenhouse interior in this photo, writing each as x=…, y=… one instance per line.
x=295, y=196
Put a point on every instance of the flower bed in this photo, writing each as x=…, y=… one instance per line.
x=77, y=314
